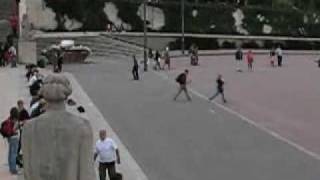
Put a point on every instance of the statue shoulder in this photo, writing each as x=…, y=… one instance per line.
x=82, y=123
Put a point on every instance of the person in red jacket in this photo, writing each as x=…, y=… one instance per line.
x=250, y=59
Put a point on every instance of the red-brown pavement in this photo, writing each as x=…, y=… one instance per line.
x=284, y=100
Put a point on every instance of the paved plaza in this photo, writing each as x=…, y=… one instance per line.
x=284, y=100
x=199, y=140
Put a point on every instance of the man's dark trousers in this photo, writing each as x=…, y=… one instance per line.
x=111, y=170
x=135, y=73
x=279, y=61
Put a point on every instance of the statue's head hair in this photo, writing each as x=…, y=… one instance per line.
x=56, y=88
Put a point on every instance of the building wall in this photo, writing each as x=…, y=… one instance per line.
x=6, y=10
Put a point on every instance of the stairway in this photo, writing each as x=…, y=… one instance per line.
x=5, y=8
x=100, y=45
x=155, y=43
x=5, y=12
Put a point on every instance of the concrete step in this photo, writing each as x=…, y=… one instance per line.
x=100, y=45
x=156, y=43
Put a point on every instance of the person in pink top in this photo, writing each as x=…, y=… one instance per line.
x=250, y=59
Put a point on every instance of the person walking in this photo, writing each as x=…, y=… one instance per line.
x=250, y=60
x=220, y=89
x=279, y=53
x=182, y=80
x=135, y=69
x=167, y=61
x=157, y=57
x=60, y=60
x=239, y=58
x=150, y=56
x=272, y=57
x=108, y=153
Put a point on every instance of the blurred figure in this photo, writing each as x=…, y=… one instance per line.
x=23, y=116
x=150, y=56
x=35, y=82
x=157, y=58
x=194, y=55
x=167, y=60
x=12, y=56
x=182, y=80
x=279, y=53
x=239, y=58
x=2, y=63
x=318, y=62
x=23, y=113
x=220, y=89
x=60, y=60
x=250, y=59
x=272, y=57
x=38, y=108
x=135, y=69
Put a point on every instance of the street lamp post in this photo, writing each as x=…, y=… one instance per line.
x=182, y=26
x=145, y=55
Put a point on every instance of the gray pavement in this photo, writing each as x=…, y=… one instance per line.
x=12, y=88
x=15, y=87
x=128, y=166
x=186, y=141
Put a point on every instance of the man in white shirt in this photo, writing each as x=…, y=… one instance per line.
x=279, y=55
x=108, y=153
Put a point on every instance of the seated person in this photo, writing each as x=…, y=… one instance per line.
x=23, y=113
x=38, y=108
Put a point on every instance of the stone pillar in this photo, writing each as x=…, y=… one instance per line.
x=27, y=52
x=22, y=15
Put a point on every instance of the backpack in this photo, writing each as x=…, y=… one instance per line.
x=179, y=79
x=7, y=128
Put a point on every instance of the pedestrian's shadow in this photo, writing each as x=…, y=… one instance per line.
x=181, y=101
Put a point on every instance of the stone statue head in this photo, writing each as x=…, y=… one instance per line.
x=56, y=88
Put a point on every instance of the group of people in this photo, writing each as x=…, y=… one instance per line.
x=8, y=53
x=162, y=61
x=11, y=128
x=275, y=55
x=157, y=58
x=183, y=80
x=47, y=94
